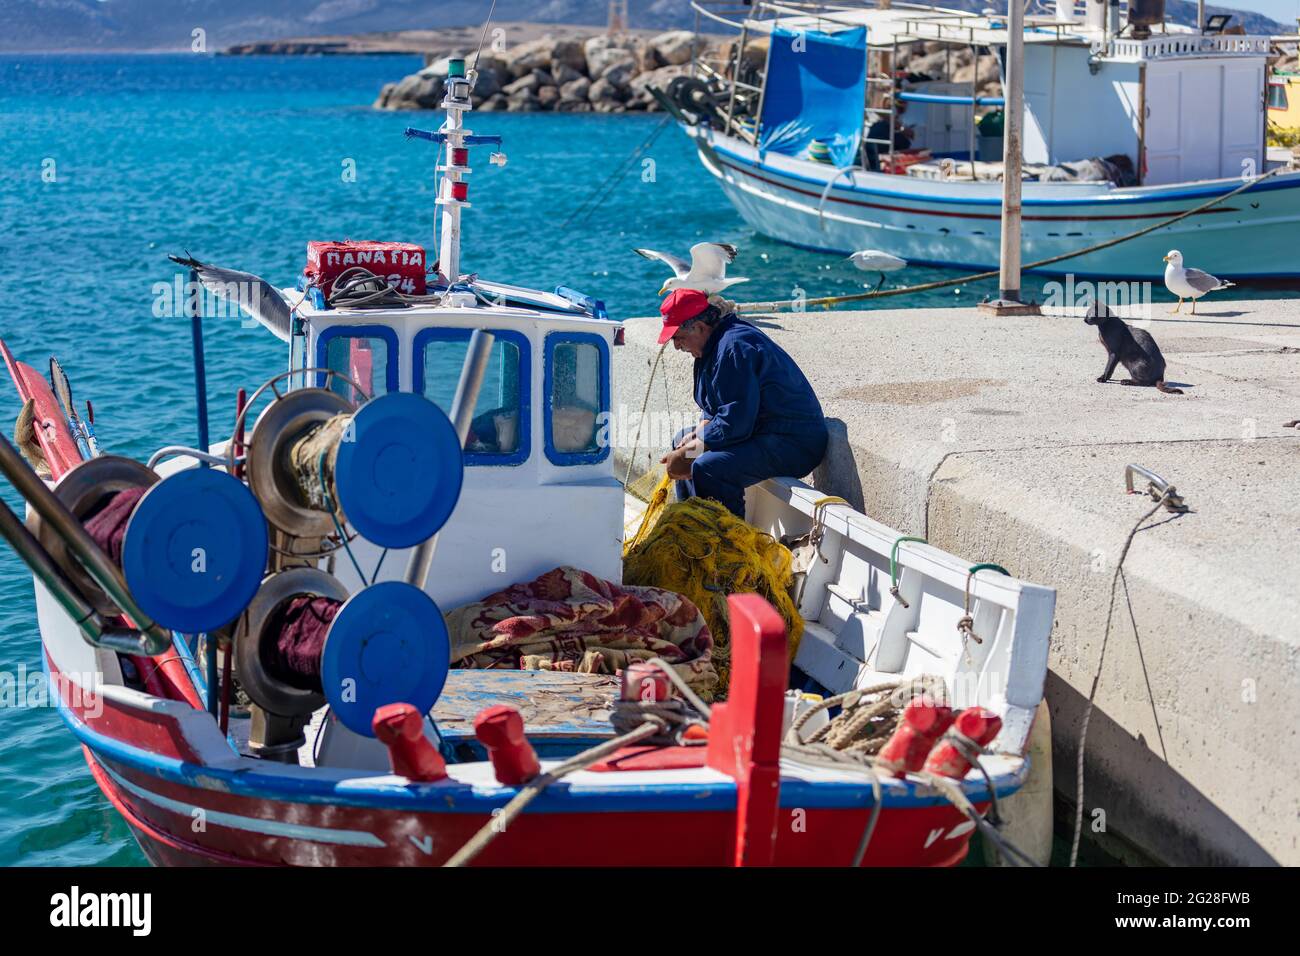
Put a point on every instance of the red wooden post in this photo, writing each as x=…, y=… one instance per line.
x=745, y=732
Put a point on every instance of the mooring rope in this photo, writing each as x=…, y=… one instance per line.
x=664, y=722
x=1096, y=679
x=657, y=721
x=784, y=305
x=589, y=205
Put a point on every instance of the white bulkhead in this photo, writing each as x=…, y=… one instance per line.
x=539, y=488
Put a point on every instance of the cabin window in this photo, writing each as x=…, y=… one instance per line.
x=500, y=431
x=365, y=354
x=577, y=398
x=1277, y=96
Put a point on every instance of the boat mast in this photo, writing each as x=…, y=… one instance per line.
x=454, y=191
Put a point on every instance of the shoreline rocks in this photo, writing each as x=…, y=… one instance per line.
x=599, y=74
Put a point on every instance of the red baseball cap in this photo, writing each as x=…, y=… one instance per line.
x=680, y=306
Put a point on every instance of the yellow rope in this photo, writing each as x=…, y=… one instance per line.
x=700, y=550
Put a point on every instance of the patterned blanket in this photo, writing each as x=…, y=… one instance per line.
x=569, y=620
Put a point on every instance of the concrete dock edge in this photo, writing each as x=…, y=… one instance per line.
x=990, y=437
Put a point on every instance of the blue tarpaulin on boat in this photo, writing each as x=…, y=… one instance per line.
x=816, y=90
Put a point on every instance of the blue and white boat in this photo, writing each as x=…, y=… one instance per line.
x=783, y=121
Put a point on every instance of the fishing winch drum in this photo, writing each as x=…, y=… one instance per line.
x=271, y=694
x=281, y=424
x=387, y=644
x=395, y=467
x=83, y=491
x=195, y=550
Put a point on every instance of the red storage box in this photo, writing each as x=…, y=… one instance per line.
x=401, y=263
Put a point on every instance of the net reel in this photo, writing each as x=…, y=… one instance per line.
x=385, y=644
x=391, y=469
x=85, y=491
x=191, y=549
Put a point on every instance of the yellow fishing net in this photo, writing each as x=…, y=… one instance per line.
x=702, y=551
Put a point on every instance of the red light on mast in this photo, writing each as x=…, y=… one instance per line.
x=460, y=191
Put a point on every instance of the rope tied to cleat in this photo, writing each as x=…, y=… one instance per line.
x=1166, y=497
x=893, y=567
x=966, y=626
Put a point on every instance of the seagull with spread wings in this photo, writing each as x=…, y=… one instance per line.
x=706, y=272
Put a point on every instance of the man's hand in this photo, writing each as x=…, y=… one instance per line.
x=680, y=459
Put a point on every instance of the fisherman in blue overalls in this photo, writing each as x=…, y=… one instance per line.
x=759, y=416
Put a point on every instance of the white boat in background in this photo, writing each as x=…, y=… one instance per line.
x=781, y=124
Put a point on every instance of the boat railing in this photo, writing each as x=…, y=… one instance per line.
x=954, y=28
x=1172, y=45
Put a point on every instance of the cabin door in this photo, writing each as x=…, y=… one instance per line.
x=1201, y=128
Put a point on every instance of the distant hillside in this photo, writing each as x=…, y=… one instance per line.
x=105, y=25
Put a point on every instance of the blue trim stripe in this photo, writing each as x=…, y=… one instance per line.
x=1196, y=192
x=454, y=797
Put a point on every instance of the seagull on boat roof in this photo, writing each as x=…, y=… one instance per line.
x=706, y=272
x=873, y=260
x=1189, y=283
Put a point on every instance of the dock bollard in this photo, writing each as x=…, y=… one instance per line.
x=411, y=754
x=976, y=726
x=501, y=730
x=923, y=722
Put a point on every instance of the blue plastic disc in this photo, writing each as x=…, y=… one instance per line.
x=388, y=644
x=399, y=473
x=195, y=550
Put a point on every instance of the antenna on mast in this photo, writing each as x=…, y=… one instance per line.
x=453, y=190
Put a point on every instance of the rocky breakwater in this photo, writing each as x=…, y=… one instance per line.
x=601, y=74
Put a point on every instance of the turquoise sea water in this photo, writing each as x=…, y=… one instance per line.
x=108, y=163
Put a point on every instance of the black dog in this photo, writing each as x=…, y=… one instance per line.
x=1135, y=348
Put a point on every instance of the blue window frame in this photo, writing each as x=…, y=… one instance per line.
x=576, y=397
x=340, y=346
x=504, y=402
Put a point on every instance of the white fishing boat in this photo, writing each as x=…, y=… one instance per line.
x=1125, y=126
x=396, y=712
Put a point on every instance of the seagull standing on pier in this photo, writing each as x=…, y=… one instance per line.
x=873, y=260
x=706, y=272
x=1189, y=283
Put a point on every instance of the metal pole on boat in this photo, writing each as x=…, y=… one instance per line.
x=1012, y=155
x=462, y=415
x=451, y=193
x=93, y=628
x=195, y=309
x=153, y=638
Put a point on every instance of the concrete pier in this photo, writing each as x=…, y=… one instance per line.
x=991, y=438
